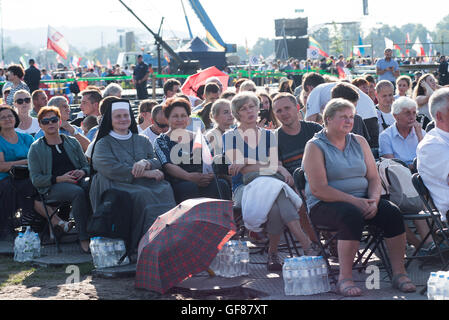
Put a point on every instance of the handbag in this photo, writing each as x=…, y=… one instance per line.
x=19, y=172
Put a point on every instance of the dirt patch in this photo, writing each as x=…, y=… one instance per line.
x=26, y=281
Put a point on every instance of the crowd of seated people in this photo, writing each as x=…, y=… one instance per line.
x=263, y=138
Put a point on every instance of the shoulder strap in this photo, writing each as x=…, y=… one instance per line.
x=384, y=124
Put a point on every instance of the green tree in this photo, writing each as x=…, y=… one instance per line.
x=442, y=35
x=264, y=47
x=337, y=40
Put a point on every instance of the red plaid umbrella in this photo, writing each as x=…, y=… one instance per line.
x=183, y=242
x=191, y=85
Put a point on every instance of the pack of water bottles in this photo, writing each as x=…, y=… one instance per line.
x=107, y=252
x=232, y=260
x=438, y=286
x=27, y=246
x=305, y=275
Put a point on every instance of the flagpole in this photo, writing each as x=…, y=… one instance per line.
x=1, y=17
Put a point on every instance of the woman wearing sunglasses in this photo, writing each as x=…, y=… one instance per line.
x=58, y=170
x=22, y=103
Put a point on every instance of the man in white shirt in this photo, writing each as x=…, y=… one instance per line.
x=433, y=153
x=160, y=124
x=365, y=108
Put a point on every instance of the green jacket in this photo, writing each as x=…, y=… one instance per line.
x=40, y=161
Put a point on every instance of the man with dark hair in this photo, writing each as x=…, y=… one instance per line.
x=365, y=108
x=171, y=88
x=89, y=105
x=32, y=76
x=211, y=94
x=387, y=68
x=39, y=99
x=160, y=124
x=238, y=83
x=140, y=77
x=349, y=92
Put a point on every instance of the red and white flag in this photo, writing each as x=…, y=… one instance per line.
x=418, y=47
x=57, y=43
x=407, y=41
x=109, y=64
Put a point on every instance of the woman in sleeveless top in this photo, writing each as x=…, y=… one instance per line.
x=251, y=152
x=343, y=191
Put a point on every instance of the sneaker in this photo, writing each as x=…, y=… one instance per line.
x=313, y=250
x=273, y=263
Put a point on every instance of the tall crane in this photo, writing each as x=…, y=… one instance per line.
x=212, y=34
x=186, y=66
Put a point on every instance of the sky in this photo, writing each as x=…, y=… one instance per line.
x=237, y=21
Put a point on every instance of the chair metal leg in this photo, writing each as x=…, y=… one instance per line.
x=52, y=231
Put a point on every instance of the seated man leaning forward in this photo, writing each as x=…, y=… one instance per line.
x=402, y=137
x=343, y=192
x=261, y=187
x=433, y=153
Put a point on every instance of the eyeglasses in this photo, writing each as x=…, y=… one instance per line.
x=10, y=116
x=161, y=125
x=46, y=121
x=21, y=101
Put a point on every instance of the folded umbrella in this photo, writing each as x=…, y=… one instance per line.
x=183, y=242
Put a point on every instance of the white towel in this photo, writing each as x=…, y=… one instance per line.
x=258, y=199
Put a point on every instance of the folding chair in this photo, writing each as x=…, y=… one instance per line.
x=441, y=231
x=411, y=216
x=372, y=235
x=58, y=205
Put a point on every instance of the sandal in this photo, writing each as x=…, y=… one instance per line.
x=400, y=284
x=345, y=292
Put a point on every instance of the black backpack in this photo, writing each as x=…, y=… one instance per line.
x=113, y=218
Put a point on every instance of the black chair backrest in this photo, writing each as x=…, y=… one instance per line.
x=300, y=179
x=419, y=185
x=423, y=192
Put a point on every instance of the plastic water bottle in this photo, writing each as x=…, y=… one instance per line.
x=307, y=274
x=316, y=279
x=446, y=287
x=439, y=288
x=36, y=246
x=18, y=247
x=324, y=274
x=287, y=276
x=28, y=246
x=295, y=275
x=236, y=256
x=431, y=285
x=244, y=258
